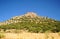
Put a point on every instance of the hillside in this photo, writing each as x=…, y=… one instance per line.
x=32, y=23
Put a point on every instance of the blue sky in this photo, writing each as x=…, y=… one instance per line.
x=11, y=8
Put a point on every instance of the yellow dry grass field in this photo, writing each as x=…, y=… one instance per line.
x=26, y=35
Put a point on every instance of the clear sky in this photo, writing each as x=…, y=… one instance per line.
x=10, y=8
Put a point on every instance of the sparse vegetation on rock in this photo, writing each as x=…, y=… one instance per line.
x=32, y=23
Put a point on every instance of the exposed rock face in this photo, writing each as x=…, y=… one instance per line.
x=31, y=14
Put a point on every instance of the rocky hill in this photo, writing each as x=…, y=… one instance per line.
x=30, y=16
x=32, y=23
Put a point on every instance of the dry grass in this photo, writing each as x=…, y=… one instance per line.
x=26, y=35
